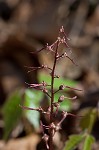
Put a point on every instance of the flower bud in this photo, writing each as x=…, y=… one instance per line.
x=56, y=104
x=45, y=137
x=61, y=87
x=45, y=90
x=61, y=99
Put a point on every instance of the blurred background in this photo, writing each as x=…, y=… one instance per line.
x=26, y=26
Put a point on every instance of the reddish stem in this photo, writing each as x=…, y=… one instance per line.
x=52, y=97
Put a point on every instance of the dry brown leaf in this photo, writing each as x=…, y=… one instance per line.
x=28, y=143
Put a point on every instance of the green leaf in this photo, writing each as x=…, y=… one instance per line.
x=57, y=82
x=66, y=105
x=11, y=112
x=89, y=140
x=88, y=119
x=32, y=100
x=73, y=141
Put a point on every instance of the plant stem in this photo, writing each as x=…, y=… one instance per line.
x=52, y=98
